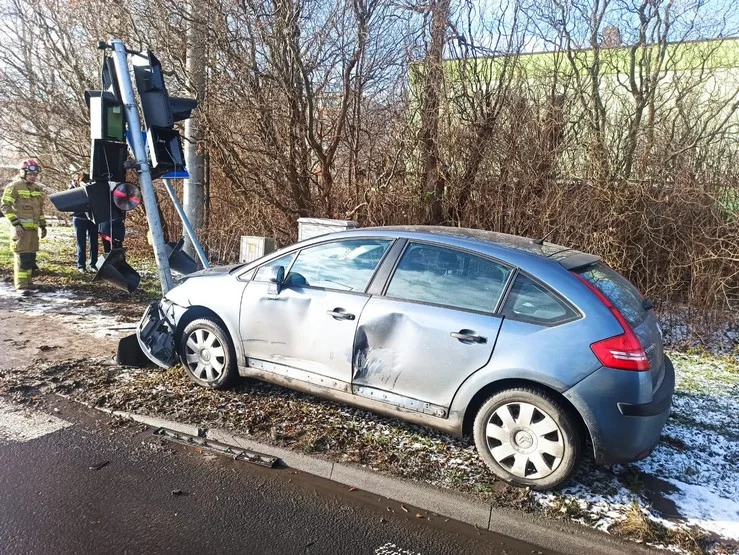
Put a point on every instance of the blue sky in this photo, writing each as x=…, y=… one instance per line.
x=490, y=23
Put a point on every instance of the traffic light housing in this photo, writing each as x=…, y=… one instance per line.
x=108, y=149
x=105, y=202
x=179, y=260
x=114, y=269
x=161, y=112
x=99, y=200
x=165, y=151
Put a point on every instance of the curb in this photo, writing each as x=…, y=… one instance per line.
x=563, y=537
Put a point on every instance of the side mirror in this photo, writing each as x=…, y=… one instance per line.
x=275, y=277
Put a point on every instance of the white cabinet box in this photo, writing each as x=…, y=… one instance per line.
x=312, y=227
x=252, y=247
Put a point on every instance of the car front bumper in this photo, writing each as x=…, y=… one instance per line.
x=156, y=332
x=622, y=428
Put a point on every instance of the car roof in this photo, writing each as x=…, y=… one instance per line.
x=567, y=257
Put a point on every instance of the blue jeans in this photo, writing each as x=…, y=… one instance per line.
x=84, y=228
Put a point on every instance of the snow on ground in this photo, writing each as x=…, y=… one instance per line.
x=70, y=309
x=19, y=425
x=692, y=476
x=690, y=480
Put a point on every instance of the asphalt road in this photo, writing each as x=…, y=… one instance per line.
x=97, y=486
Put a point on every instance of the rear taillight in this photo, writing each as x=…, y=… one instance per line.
x=624, y=351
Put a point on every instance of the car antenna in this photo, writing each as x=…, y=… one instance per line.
x=541, y=241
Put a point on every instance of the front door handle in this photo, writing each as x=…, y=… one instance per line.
x=340, y=314
x=468, y=336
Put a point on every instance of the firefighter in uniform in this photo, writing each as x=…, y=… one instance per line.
x=23, y=205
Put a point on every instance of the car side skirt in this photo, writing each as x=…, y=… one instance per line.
x=409, y=410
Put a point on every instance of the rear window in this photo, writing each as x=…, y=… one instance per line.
x=531, y=302
x=625, y=297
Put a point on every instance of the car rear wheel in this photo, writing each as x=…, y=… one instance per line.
x=207, y=354
x=528, y=438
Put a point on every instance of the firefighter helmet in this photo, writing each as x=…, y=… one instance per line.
x=29, y=165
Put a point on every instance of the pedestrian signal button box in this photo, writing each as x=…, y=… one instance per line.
x=255, y=247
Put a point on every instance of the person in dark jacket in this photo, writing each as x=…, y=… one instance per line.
x=84, y=228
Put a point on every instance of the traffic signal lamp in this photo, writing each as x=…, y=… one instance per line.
x=104, y=201
x=179, y=260
x=114, y=269
x=126, y=196
x=108, y=149
x=165, y=151
x=160, y=109
x=107, y=160
x=161, y=112
x=107, y=118
x=99, y=200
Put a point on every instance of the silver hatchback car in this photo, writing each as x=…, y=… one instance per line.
x=530, y=347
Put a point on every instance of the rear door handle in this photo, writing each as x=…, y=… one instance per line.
x=340, y=314
x=468, y=336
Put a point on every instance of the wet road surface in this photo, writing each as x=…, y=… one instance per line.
x=99, y=486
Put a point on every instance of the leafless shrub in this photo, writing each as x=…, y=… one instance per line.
x=434, y=111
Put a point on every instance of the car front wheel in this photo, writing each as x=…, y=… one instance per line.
x=207, y=354
x=528, y=438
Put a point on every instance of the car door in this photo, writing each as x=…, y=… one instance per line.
x=434, y=325
x=310, y=324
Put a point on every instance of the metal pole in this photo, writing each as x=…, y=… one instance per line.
x=139, y=151
x=193, y=192
x=186, y=223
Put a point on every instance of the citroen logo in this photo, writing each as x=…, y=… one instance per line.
x=524, y=440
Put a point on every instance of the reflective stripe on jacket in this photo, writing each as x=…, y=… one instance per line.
x=23, y=203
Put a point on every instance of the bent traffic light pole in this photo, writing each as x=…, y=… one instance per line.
x=142, y=164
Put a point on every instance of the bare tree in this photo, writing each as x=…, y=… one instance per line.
x=486, y=74
x=432, y=76
x=47, y=62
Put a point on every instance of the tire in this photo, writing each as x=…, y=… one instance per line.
x=528, y=438
x=207, y=354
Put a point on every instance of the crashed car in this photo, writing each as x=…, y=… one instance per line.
x=536, y=350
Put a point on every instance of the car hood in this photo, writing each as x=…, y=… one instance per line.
x=214, y=270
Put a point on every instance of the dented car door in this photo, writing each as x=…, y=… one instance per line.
x=434, y=325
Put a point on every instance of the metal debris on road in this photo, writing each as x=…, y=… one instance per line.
x=221, y=449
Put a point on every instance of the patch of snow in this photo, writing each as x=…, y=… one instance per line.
x=18, y=424
x=696, y=460
x=704, y=509
x=71, y=310
x=714, y=332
